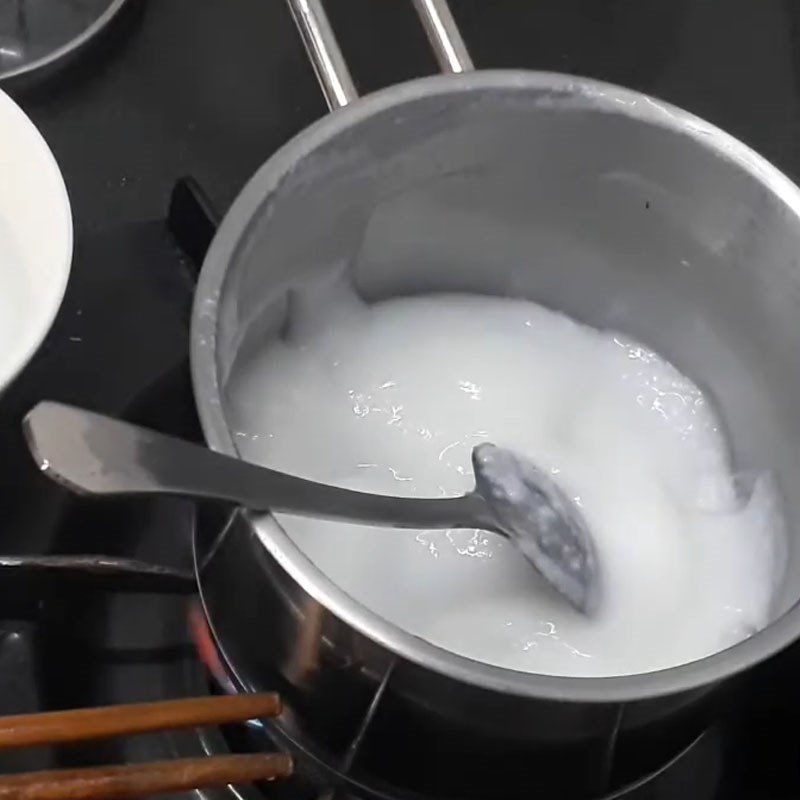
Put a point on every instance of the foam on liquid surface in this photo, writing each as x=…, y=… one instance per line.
x=391, y=398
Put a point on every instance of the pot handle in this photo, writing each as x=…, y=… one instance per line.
x=331, y=68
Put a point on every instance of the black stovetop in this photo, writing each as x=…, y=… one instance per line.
x=210, y=88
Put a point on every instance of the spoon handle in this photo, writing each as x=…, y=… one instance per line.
x=92, y=454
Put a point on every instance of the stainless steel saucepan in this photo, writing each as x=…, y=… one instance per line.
x=619, y=209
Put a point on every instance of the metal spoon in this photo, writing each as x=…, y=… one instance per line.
x=96, y=455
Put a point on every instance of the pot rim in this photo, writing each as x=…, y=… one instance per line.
x=552, y=88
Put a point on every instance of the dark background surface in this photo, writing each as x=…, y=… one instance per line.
x=212, y=87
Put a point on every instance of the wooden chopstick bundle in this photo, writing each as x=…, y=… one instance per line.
x=139, y=780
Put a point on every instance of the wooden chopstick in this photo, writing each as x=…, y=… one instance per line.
x=142, y=780
x=60, y=727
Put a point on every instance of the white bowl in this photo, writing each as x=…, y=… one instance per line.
x=35, y=239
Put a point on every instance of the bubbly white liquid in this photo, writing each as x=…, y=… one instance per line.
x=391, y=398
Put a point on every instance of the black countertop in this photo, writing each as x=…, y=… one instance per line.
x=213, y=87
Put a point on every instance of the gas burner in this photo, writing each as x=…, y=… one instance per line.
x=694, y=772
x=40, y=36
x=697, y=766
